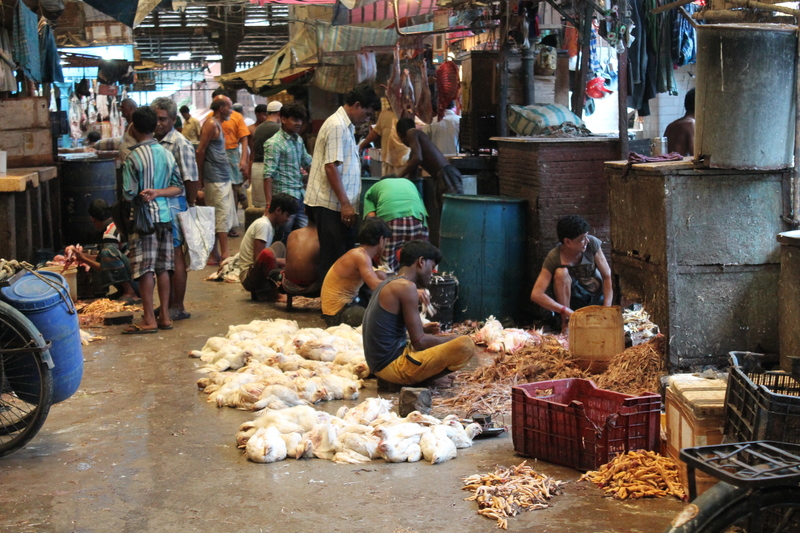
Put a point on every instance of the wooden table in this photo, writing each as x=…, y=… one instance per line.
x=27, y=209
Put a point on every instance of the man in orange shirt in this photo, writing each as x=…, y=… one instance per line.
x=237, y=147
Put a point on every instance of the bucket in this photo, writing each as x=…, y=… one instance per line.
x=43, y=297
x=82, y=182
x=596, y=336
x=444, y=293
x=744, y=70
x=482, y=239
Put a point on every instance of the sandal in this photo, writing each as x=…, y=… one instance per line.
x=138, y=330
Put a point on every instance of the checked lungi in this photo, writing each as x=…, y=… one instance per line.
x=404, y=229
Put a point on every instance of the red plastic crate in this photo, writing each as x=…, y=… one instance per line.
x=571, y=422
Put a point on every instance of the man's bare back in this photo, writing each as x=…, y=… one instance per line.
x=680, y=136
x=431, y=158
x=302, y=251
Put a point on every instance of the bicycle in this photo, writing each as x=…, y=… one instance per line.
x=26, y=383
x=758, y=492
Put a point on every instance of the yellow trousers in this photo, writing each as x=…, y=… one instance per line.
x=412, y=367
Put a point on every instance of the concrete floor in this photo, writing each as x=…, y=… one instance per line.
x=137, y=449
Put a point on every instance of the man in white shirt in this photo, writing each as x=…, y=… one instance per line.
x=334, y=182
x=257, y=259
x=444, y=133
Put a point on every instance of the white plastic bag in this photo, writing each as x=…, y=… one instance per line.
x=198, y=225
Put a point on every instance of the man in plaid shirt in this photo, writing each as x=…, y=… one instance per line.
x=284, y=156
x=334, y=183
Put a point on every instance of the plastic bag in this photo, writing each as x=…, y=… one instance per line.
x=142, y=222
x=198, y=225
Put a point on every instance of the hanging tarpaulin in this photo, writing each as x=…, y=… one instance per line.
x=375, y=10
x=26, y=42
x=337, y=72
x=129, y=12
x=286, y=65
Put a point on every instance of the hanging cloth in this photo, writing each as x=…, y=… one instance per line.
x=684, y=37
x=7, y=80
x=26, y=42
x=51, y=62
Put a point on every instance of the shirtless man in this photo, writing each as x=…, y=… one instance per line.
x=425, y=154
x=575, y=273
x=302, y=253
x=341, y=303
x=680, y=133
x=421, y=356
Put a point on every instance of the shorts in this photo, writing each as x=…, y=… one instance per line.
x=115, y=267
x=259, y=276
x=234, y=156
x=404, y=229
x=154, y=252
x=177, y=205
x=218, y=195
x=449, y=181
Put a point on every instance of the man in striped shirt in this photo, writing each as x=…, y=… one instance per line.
x=284, y=156
x=151, y=172
x=183, y=152
x=334, y=183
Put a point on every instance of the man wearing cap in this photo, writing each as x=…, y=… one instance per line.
x=262, y=134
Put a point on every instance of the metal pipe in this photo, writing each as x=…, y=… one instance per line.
x=528, y=89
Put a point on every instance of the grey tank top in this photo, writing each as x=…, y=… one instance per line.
x=384, y=333
x=216, y=168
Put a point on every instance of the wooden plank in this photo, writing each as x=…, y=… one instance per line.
x=45, y=173
x=8, y=227
x=17, y=181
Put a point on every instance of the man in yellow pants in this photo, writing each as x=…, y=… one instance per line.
x=421, y=357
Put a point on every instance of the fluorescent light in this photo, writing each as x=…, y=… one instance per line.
x=183, y=56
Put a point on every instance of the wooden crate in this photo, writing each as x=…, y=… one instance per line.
x=695, y=416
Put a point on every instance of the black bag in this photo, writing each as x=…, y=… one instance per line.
x=142, y=223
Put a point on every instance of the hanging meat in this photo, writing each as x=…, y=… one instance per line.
x=424, y=107
x=399, y=89
x=447, y=86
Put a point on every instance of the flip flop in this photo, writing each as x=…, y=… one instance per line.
x=180, y=315
x=164, y=327
x=212, y=263
x=131, y=301
x=138, y=330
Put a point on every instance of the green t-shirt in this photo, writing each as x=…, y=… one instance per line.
x=393, y=198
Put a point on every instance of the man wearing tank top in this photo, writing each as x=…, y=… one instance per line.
x=398, y=348
x=213, y=169
x=578, y=270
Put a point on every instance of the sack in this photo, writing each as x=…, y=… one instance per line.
x=142, y=223
x=537, y=119
x=199, y=225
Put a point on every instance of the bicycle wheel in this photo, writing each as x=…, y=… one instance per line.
x=26, y=384
x=727, y=509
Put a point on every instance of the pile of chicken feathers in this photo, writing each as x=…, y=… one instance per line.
x=275, y=367
x=368, y=431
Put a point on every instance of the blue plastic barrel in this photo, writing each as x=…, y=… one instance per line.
x=44, y=299
x=482, y=240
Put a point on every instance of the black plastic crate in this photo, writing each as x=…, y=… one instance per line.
x=761, y=405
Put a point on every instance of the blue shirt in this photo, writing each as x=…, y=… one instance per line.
x=151, y=166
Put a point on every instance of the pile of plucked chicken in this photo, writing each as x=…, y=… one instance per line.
x=281, y=371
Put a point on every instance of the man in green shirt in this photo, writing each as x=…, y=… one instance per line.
x=397, y=202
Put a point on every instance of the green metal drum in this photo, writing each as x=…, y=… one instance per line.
x=483, y=243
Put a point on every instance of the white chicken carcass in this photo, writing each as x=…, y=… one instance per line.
x=402, y=431
x=317, y=350
x=436, y=445
x=367, y=411
x=399, y=451
x=323, y=440
x=460, y=435
x=274, y=394
x=266, y=446
x=310, y=389
x=511, y=340
x=302, y=415
x=340, y=388
x=350, y=457
x=360, y=443
x=348, y=332
x=491, y=330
